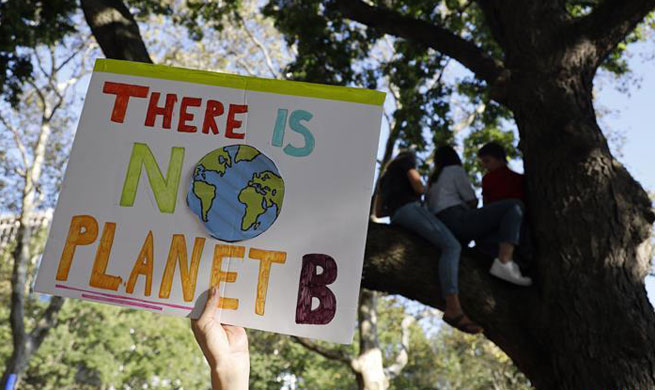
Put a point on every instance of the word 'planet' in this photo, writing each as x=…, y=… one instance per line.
x=237, y=192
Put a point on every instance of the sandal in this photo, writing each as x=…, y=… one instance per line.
x=466, y=327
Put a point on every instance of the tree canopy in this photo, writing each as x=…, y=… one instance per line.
x=25, y=24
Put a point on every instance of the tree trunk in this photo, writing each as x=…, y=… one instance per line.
x=19, y=358
x=368, y=365
x=587, y=322
x=115, y=30
x=24, y=343
x=17, y=362
x=592, y=218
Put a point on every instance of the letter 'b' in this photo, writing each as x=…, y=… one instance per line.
x=315, y=285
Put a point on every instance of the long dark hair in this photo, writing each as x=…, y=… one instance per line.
x=388, y=183
x=444, y=156
x=403, y=157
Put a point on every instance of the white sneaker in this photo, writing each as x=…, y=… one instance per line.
x=509, y=272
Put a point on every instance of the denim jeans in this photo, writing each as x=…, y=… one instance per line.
x=498, y=222
x=419, y=220
x=523, y=254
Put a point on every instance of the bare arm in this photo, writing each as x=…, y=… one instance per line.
x=465, y=189
x=415, y=181
x=377, y=206
x=225, y=347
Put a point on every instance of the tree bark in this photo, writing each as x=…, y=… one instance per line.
x=368, y=365
x=592, y=218
x=25, y=344
x=399, y=262
x=115, y=30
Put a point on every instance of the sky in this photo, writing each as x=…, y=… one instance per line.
x=631, y=115
x=632, y=112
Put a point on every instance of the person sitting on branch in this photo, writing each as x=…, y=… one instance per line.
x=399, y=196
x=451, y=198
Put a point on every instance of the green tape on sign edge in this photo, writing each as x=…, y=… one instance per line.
x=282, y=87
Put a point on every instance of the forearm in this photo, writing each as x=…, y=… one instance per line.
x=377, y=206
x=216, y=383
x=225, y=347
x=415, y=181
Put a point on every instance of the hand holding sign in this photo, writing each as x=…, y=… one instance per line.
x=225, y=347
x=181, y=180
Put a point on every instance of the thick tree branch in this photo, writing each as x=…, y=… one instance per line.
x=115, y=29
x=610, y=23
x=398, y=262
x=436, y=37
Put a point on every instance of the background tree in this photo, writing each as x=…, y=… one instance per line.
x=36, y=135
x=102, y=347
x=28, y=24
x=436, y=358
x=368, y=364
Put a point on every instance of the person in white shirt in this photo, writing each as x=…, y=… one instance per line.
x=452, y=199
x=398, y=195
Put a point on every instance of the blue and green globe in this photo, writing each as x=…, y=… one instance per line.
x=237, y=192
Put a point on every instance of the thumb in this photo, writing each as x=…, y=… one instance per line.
x=210, y=308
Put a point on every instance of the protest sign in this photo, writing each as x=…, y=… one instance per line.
x=181, y=179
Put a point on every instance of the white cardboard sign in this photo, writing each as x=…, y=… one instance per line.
x=181, y=179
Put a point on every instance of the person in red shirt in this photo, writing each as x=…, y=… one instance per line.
x=500, y=183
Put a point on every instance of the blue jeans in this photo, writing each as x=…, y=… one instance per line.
x=419, y=220
x=496, y=222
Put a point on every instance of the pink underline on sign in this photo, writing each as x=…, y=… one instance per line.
x=121, y=301
x=123, y=297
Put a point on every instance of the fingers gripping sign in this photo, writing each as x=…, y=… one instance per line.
x=225, y=347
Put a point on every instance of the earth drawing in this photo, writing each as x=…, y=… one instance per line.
x=237, y=192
